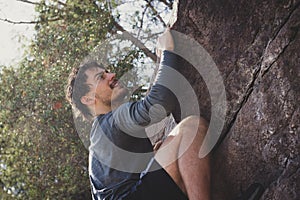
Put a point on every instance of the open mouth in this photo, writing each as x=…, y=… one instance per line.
x=114, y=84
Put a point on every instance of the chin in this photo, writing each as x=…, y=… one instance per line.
x=119, y=95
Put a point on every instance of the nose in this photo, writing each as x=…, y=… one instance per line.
x=111, y=76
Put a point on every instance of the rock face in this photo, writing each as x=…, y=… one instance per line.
x=255, y=45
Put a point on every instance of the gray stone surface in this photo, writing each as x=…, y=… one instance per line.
x=255, y=45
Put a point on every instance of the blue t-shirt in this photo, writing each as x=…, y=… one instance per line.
x=119, y=149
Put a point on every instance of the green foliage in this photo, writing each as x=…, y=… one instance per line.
x=40, y=149
x=41, y=154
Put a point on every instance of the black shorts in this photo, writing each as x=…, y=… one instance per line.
x=156, y=185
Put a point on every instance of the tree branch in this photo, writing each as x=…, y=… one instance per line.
x=30, y=2
x=169, y=4
x=151, y=35
x=36, y=3
x=142, y=22
x=18, y=22
x=136, y=41
x=155, y=12
x=61, y=3
x=29, y=22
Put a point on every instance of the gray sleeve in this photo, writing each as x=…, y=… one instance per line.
x=159, y=103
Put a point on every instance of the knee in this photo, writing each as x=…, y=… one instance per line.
x=193, y=130
x=194, y=121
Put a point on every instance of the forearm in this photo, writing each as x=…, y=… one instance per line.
x=160, y=101
x=166, y=89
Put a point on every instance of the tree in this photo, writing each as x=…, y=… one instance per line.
x=255, y=45
x=42, y=156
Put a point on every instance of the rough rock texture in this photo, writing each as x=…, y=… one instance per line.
x=255, y=44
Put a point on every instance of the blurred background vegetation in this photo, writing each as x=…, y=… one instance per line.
x=41, y=153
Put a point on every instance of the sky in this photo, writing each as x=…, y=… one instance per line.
x=13, y=37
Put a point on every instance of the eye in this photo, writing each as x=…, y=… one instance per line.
x=101, y=76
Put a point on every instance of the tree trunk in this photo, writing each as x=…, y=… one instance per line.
x=255, y=45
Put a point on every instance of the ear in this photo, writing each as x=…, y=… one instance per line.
x=87, y=100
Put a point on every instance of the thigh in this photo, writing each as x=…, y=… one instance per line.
x=168, y=151
x=167, y=157
x=180, y=139
x=158, y=185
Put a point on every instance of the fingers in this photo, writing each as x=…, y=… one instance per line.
x=165, y=42
x=157, y=145
x=158, y=52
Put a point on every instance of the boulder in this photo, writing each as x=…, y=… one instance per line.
x=255, y=45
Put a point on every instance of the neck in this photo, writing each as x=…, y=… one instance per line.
x=101, y=110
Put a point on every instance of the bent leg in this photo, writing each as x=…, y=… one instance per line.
x=179, y=157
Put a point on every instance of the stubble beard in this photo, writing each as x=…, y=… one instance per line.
x=118, y=97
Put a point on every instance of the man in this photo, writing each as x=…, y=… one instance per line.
x=122, y=164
